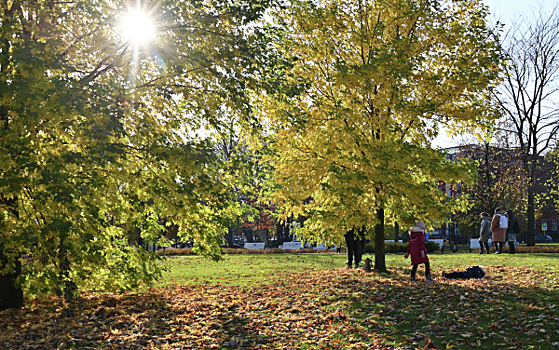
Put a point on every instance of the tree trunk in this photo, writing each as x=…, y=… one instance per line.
x=10, y=295
x=67, y=286
x=279, y=231
x=380, y=259
x=530, y=238
x=249, y=234
x=229, y=235
x=451, y=229
x=396, y=232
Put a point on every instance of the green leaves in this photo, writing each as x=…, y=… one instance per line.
x=102, y=144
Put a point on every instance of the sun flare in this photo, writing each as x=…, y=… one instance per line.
x=138, y=27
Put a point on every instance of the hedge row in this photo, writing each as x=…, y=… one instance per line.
x=389, y=247
x=188, y=251
x=393, y=247
x=535, y=249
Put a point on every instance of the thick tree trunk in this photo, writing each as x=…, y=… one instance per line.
x=396, y=232
x=10, y=295
x=380, y=259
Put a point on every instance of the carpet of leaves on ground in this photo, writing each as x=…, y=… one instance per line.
x=328, y=309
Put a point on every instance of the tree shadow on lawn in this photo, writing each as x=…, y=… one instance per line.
x=510, y=308
x=330, y=309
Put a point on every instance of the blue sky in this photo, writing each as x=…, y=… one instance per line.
x=504, y=11
x=507, y=10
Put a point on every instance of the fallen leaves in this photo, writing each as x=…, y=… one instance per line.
x=348, y=310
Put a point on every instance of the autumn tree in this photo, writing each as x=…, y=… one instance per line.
x=260, y=219
x=248, y=174
x=370, y=85
x=549, y=199
x=502, y=181
x=529, y=92
x=101, y=136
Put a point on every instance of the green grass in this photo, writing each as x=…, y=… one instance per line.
x=244, y=269
x=250, y=270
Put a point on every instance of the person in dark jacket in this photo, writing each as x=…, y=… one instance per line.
x=417, y=250
x=354, y=240
x=471, y=272
x=511, y=234
x=484, y=232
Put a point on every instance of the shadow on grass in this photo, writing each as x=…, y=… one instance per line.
x=510, y=308
x=332, y=309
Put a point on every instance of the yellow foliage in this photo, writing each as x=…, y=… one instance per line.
x=377, y=80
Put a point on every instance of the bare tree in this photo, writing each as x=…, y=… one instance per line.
x=530, y=92
x=502, y=181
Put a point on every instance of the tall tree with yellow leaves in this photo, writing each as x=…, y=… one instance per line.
x=370, y=85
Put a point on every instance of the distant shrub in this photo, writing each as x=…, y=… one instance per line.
x=188, y=251
x=389, y=247
x=176, y=251
x=432, y=246
x=269, y=251
x=393, y=247
x=535, y=249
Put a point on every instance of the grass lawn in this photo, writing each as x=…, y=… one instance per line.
x=250, y=270
x=309, y=301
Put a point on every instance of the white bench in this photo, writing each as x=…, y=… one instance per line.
x=325, y=247
x=292, y=245
x=254, y=245
x=474, y=243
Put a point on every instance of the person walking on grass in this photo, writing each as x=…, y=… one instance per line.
x=484, y=233
x=417, y=250
x=499, y=226
x=512, y=230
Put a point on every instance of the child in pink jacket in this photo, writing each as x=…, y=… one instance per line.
x=417, y=250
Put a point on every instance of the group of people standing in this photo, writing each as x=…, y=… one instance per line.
x=503, y=227
x=355, y=243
